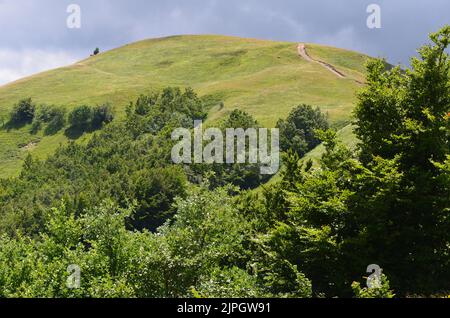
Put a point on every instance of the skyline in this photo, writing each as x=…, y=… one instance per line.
x=35, y=36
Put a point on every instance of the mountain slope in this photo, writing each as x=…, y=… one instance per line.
x=264, y=78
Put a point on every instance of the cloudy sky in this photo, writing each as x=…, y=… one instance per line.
x=34, y=35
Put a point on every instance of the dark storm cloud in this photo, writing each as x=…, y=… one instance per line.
x=36, y=32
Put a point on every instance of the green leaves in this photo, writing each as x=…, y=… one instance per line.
x=297, y=132
x=23, y=112
x=383, y=291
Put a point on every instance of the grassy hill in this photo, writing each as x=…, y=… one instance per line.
x=264, y=78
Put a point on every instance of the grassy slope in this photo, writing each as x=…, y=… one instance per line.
x=265, y=78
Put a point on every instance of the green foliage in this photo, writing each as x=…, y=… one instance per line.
x=22, y=112
x=402, y=118
x=117, y=163
x=81, y=117
x=201, y=252
x=53, y=117
x=136, y=227
x=95, y=242
x=382, y=291
x=206, y=234
x=239, y=119
x=102, y=114
x=171, y=108
x=244, y=175
x=57, y=122
x=297, y=132
x=387, y=204
x=155, y=191
x=229, y=283
x=86, y=118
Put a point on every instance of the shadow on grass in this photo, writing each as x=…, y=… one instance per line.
x=8, y=126
x=75, y=132
x=72, y=132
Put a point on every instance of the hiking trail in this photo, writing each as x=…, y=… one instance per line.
x=304, y=54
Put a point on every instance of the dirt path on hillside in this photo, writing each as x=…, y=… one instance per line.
x=304, y=54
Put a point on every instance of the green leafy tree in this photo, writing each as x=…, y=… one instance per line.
x=81, y=117
x=402, y=117
x=297, y=132
x=239, y=119
x=23, y=112
x=52, y=116
x=57, y=121
x=155, y=192
x=243, y=175
x=207, y=231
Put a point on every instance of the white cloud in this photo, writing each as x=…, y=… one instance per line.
x=16, y=64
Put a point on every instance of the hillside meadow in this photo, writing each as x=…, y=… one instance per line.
x=264, y=78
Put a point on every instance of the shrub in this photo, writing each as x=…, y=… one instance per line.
x=36, y=126
x=102, y=114
x=53, y=116
x=81, y=117
x=57, y=122
x=23, y=112
x=44, y=113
